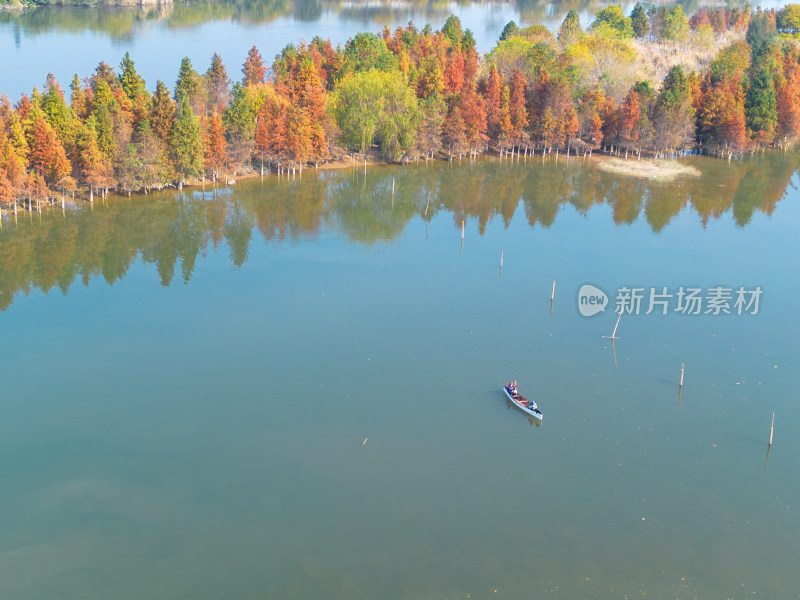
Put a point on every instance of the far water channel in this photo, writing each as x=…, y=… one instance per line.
x=291, y=388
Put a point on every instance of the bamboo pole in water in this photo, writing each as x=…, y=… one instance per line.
x=772, y=428
x=681, y=385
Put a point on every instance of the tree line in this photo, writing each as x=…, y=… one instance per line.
x=655, y=81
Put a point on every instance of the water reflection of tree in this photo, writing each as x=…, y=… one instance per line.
x=118, y=22
x=167, y=228
x=365, y=210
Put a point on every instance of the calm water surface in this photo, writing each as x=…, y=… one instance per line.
x=189, y=379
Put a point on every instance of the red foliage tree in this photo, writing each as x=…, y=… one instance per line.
x=518, y=103
x=628, y=117
x=492, y=96
x=454, y=72
x=253, y=69
x=215, y=154
x=474, y=114
x=788, y=104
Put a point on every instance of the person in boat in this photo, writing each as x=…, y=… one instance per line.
x=512, y=389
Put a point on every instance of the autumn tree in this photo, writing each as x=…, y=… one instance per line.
x=262, y=139
x=454, y=132
x=162, y=112
x=78, y=101
x=473, y=112
x=94, y=167
x=215, y=154
x=506, y=129
x=47, y=156
x=628, y=118
x=787, y=104
x=216, y=83
x=517, y=106
x=253, y=69
x=492, y=97
x=454, y=72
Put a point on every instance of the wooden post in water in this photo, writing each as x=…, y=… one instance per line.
x=552, y=295
x=501, y=264
x=392, y=186
x=681, y=385
x=462, y=230
x=772, y=428
x=613, y=335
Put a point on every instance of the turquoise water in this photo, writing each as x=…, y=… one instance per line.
x=188, y=419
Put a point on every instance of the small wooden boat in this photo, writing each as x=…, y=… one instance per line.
x=522, y=403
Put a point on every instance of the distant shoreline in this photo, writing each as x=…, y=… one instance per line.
x=17, y=5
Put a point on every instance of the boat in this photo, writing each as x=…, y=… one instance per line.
x=527, y=406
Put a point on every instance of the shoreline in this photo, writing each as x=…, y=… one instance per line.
x=651, y=169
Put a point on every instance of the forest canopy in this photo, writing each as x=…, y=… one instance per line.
x=721, y=81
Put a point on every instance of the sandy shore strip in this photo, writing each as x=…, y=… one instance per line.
x=652, y=169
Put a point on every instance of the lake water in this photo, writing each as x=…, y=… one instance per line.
x=291, y=388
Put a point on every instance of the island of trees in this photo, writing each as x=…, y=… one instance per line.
x=655, y=82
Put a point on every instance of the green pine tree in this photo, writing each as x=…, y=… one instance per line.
x=570, y=29
x=760, y=103
x=639, y=21
x=130, y=81
x=186, y=142
x=188, y=80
